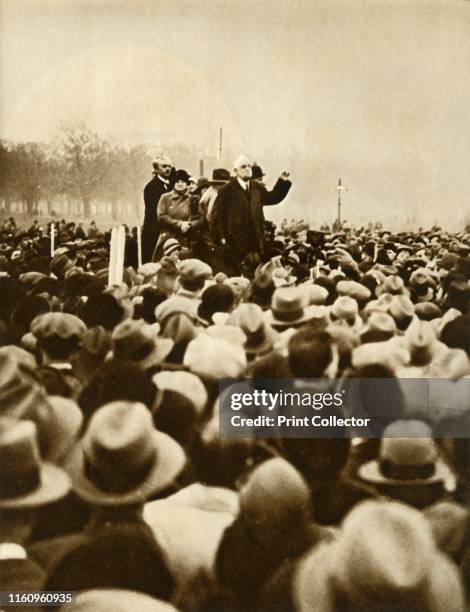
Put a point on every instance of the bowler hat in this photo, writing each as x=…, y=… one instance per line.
x=256, y=172
x=122, y=459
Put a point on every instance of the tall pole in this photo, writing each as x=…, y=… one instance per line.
x=220, y=143
x=339, y=200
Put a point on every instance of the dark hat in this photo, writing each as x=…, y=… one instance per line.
x=182, y=175
x=26, y=311
x=463, y=265
x=102, y=309
x=216, y=298
x=458, y=296
x=256, y=172
x=122, y=458
x=220, y=176
x=27, y=482
x=456, y=334
x=60, y=264
x=262, y=289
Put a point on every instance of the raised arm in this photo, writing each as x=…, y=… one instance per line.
x=278, y=192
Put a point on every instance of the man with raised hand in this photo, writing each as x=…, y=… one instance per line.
x=237, y=220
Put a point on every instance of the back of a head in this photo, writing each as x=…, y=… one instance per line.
x=321, y=459
x=310, y=353
x=111, y=383
x=122, y=556
x=274, y=502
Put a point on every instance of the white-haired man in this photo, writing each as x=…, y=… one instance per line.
x=237, y=220
x=160, y=184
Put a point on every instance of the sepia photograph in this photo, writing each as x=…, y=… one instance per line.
x=235, y=305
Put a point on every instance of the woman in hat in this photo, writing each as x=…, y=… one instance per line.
x=177, y=215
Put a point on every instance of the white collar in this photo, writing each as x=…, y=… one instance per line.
x=243, y=184
x=163, y=180
x=10, y=550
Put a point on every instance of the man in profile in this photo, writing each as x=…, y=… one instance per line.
x=237, y=220
x=160, y=184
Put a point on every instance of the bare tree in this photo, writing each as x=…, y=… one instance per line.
x=85, y=159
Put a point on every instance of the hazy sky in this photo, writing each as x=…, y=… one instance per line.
x=376, y=91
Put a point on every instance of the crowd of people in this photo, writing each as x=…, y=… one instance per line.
x=114, y=481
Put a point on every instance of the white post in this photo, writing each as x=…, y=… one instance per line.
x=121, y=245
x=139, y=247
x=112, y=257
x=52, y=239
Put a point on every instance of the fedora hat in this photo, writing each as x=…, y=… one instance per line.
x=380, y=323
x=345, y=310
x=186, y=383
x=288, y=308
x=260, y=337
x=214, y=358
x=412, y=574
x=122, y=459
x=394, y=285
x=220, y=176
x=407, y=461
x=26, y=481
x=133, y=340
x=401, y=308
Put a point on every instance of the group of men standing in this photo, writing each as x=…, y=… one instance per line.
x=222, y=217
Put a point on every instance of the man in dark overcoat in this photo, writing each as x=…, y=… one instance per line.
x=237, y=220
x=160, y=184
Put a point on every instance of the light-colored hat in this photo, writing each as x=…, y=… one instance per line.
x=388, y=353
x=122, y=459
x=353, y=289
x=192, y=270
x=393, y=285
x=117, y=600
x=61, y=324
x=386, y=554
x=401, y=307
x=170, y=245
x=177, y=304
x=407, y=461
x=288, y=308
x=260, y=337
x=186, y=383
x=230, y=333
x=135, y=341
x=380, y=322
x=274, y=501
x=214, y=358
x=26, y=480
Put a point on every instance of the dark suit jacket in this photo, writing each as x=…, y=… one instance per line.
x=241, y=221
x=21, y=575
x=151, y=229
